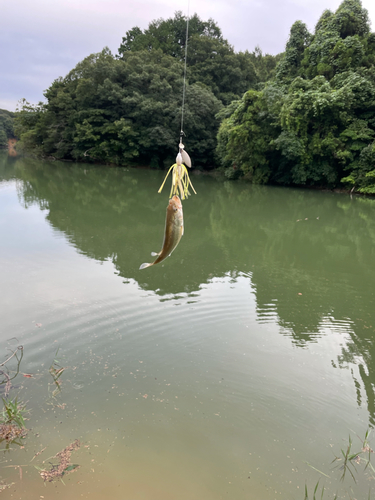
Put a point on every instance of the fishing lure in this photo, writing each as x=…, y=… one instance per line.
x=180, y=176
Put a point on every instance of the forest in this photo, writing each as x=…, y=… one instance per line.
x=6, y=127
x=305, y=117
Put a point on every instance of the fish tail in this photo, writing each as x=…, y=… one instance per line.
x=146, y=264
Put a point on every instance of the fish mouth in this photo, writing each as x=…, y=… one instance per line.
x=175, y=202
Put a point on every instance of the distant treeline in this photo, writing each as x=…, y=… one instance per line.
x=304, y=117
x=6, y=127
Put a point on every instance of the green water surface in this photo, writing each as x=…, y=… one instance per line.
x=236, y=369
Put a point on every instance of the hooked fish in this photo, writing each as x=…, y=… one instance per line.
x=174, y=229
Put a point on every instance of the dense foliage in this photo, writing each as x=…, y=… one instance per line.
x=117, y=111
x=211, y=59
x=127, y=109
x=314, y=122
x=309, y=120
x=6, y=127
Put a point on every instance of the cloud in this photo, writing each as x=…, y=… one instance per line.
x=42, y=40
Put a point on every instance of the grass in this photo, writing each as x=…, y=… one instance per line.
x=12, y=422
x=13, y=412
x=315, y=493
x=358, y=458
x=348, y=462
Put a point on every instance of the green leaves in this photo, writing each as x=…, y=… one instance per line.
x=70, y=468
x=312, y=124
x=122, y=111
x=315, y=122
x=245, y=138
x=6, y=127
x=211, y=60
x=169, y=35
x=299, y=39
x=340, y=42
x=13, y=412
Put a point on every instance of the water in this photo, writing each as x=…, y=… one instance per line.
x=236, y=369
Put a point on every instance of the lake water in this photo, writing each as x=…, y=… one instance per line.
x=236, y=369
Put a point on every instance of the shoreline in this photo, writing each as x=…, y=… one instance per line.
x=213, y=172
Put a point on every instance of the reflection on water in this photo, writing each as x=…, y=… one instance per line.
x=280, y=277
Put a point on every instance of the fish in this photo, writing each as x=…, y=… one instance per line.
x=174, y=229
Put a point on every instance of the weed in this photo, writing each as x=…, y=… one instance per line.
x=56, y=371
x=12, y=423
x=63, y=467
x=13, y=412
x=350, y=464
x=351, y=460
x=315, y=493
x=5, y=378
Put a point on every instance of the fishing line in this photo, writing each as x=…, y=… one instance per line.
x=180, y=177
x=184, y=84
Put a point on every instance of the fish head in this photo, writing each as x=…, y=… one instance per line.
x=175, y=203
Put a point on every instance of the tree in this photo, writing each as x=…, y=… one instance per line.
x=121, y=111
x=6, y=127
x=169, y=35
x=339, y=43
x=211, y=60
x=321, y=128
x=245, y=136
x=299, y=40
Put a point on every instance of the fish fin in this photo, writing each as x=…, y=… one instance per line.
x=155, y=254
x=182, y=231
x=146, y=264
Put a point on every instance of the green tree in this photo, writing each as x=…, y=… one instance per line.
x=299, y=40
x=127, y=109
x=121, y=111
x=245, y=136
x=339, y=43
x=6, y=127
x=211, y=60
x=321, y=128
x=169, y=35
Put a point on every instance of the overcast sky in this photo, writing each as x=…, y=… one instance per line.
x=41, y=40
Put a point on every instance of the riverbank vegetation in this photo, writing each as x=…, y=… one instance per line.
x=6, y=127
x=126, y=109
x=12, y=416
x=314, y=122
x=304, y=117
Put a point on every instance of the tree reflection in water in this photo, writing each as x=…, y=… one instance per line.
x=308, y=255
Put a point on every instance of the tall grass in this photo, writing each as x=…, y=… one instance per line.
x=350, y=463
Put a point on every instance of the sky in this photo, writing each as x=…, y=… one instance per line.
x=41, y=40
